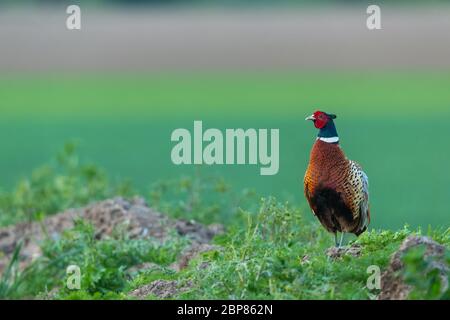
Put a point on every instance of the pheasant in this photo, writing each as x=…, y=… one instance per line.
x=337, y=189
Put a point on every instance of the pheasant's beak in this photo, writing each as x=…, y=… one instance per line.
x=311, y=117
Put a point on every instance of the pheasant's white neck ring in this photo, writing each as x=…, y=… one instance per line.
x=329, y=139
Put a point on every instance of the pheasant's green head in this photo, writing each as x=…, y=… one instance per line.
x=324, y=122
x=321, y=119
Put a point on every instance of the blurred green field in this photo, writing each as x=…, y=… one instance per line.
x=395, y=124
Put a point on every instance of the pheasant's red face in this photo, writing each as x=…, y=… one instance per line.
x=319, y=118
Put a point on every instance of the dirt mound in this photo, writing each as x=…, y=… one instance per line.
x=133, y=217
x=193, y=252
x=162, y=289
x=337, y=253
x=392, y=284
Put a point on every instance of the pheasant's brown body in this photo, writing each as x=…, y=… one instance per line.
x=337, y=189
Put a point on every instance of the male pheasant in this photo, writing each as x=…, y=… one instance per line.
x=336, y=188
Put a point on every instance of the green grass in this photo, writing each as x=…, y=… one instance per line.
x=279, y=255
x=271, y=250
x=275, y=254
x=394, y=123
x=235, y=95
x=64, y=183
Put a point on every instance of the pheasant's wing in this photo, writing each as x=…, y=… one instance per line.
x=364, y=206
x=307, y=189
x=359, y=198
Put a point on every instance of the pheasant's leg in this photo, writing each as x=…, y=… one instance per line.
x=335, y=240
x=342, y=238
